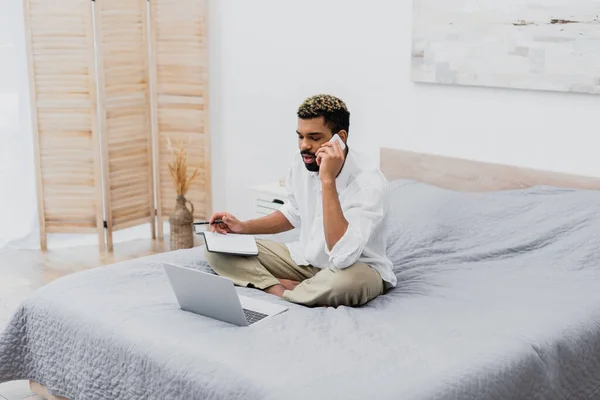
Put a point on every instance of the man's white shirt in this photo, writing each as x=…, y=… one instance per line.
x=361, y=190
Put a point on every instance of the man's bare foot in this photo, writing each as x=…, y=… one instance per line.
x=288, y=284
x=277, y=290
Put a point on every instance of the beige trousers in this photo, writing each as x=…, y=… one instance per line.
x=352, y=286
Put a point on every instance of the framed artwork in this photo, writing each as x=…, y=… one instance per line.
x=525, y=44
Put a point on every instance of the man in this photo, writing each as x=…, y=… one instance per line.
x=337, y=203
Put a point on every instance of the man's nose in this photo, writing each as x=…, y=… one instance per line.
x=304, y=145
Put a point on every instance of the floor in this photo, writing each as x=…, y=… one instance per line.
x=24, y=271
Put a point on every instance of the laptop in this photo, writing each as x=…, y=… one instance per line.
x=215, y=297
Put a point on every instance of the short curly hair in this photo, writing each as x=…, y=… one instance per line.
x=332, y=109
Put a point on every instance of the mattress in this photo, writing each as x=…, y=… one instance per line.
x=497, y=299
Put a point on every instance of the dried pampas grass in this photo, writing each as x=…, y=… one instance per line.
x=179, y=168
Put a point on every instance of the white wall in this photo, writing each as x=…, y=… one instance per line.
x=268, y=55
x=18, y=203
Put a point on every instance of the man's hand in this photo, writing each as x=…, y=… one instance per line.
x=230, y=224
x=268, y=225
x=330, y=159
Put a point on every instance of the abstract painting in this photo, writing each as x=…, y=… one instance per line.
x=525, y=44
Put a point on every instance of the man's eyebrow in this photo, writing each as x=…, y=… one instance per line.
x=311, y=134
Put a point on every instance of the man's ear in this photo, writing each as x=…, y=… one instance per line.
x=343, y=135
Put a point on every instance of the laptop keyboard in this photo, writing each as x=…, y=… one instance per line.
x=253, y=316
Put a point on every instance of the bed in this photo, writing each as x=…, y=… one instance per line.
x=498, y=298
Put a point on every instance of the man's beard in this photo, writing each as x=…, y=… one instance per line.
x=312, y=167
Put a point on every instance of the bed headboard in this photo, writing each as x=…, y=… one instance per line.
x=472, y=176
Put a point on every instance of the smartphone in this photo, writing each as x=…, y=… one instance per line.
x=336, y=138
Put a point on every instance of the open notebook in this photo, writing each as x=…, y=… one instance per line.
x=243, y=245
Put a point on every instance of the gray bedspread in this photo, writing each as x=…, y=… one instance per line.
x=498, y=298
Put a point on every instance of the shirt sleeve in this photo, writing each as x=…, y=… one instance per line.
x=290, y=208
x=364, y=213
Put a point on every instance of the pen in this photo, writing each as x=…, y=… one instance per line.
x=217, y=221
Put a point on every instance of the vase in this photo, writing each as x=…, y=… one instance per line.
x=181, y=221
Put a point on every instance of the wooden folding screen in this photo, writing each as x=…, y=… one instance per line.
x=180, y=97
x=123, y=81
x=63, y=102
x=105, y=98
